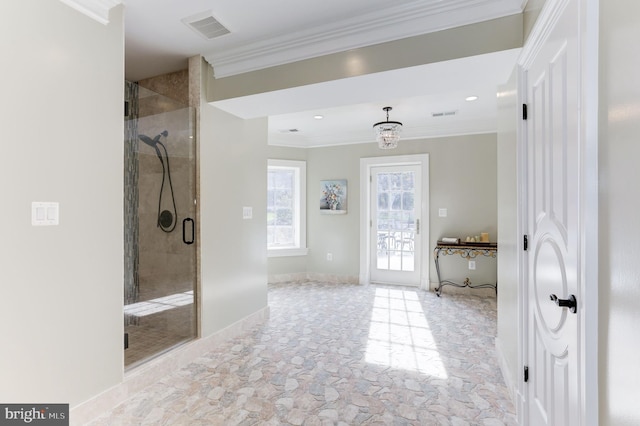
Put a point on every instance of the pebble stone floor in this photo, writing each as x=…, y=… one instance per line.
x=341, y=354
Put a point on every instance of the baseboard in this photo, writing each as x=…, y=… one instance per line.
x=298, y=278
x=333, y=278
x=152, y=371
x=304, y=277
x=506, y=373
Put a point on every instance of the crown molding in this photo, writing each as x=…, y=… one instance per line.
x=393, y=23
x=94, y=9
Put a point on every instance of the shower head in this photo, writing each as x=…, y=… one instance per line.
x=153, y=142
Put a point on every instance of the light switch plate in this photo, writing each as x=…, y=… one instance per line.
x=442, y=212
x=247, y=212
x=45, y=213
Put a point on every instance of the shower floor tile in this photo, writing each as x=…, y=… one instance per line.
x=155, y=334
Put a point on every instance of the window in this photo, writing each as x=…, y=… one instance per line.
x=286, y=212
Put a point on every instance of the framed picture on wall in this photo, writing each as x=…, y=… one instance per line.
x=333, y=196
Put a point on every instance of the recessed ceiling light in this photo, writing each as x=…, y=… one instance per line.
x=318, y=117
x=471, y=98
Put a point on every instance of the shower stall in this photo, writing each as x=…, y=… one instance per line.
x=160, y=210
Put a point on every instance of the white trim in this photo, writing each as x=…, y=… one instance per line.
x=365, y=192
x=590, y=216
x=305, y=277
x=521, y=388
x=397, y=21
x=94, y=9
x=549, y=15
x=504, y=369
x=285, y=252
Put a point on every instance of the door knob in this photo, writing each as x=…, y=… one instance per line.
x=571, y=302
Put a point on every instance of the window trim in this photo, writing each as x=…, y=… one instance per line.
x=300, y=218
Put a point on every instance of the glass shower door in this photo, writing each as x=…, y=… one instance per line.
x=160, y=309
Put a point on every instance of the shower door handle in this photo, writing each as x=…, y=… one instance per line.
x=184, y=231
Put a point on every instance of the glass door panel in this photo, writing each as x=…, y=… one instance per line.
x=395, y=209
x=160, y=282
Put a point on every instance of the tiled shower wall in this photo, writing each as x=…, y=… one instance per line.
x=166, y=263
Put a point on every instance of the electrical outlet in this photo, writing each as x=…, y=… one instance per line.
x=329, y=257
x=472, y=265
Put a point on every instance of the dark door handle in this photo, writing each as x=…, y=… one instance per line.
x=184, y=231
x=570, y=303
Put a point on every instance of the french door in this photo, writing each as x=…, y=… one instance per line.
x=395, y=206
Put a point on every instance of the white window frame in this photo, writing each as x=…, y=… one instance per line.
x=300, y=213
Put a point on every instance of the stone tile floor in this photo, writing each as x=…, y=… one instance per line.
x=341, y=354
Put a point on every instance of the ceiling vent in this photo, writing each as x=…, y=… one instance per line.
x=444, y=113
x=206, y=25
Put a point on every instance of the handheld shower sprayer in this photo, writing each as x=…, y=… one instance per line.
x=153, y=142
x=166, y=219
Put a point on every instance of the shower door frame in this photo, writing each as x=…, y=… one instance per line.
x=177, y=292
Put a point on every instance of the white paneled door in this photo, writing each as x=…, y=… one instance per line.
x=553, y=184
x=395, y=224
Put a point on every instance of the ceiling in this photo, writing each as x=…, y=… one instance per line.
x=268, y=33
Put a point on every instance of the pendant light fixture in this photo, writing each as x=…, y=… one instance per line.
x=387, y=132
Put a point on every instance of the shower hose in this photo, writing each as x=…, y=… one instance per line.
x=166, y=220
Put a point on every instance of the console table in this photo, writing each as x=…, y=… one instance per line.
x=467, y=251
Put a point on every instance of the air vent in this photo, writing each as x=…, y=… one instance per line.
x=444, y=113
x=206, y=25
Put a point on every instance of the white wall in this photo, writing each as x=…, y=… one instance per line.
x=619, y=220
x=61, y=287
x=462, y=179
x=233, y=170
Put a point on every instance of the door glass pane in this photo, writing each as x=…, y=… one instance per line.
x=160, y=265
x=382, y=248
x=395, y=221
x=395, y=260
x=407, y=260
x=396, y=204
x=407, y=201
x=383, y=201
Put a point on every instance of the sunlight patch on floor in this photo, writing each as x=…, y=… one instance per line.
x=399, y=334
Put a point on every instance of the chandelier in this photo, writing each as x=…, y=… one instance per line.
x=387, y=132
